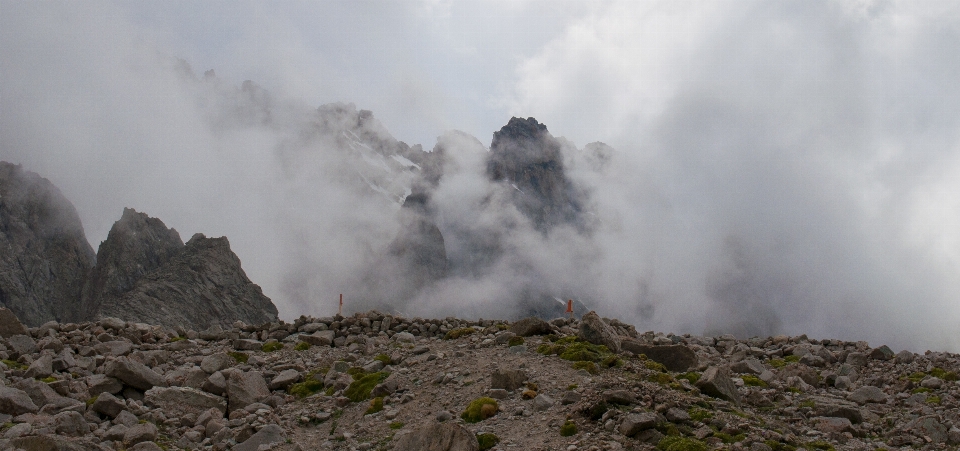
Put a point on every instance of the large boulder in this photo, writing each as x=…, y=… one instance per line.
x=507, y=379
x=133, y=373
x=245, y=388
x=594, y=330
x=46, y=255
x=179, y=401
x=716, y=382
x=673, y=357
x=9, y=324
x=270, y=434
x=438, y=437
x=15, y=402
x=531, y=326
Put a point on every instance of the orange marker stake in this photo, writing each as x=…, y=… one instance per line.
x=570, y=307
x=340, y=310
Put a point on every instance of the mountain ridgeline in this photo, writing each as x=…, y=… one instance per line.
x=142, y=272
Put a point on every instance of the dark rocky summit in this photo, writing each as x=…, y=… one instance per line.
x=142, y=273
x=44, y=255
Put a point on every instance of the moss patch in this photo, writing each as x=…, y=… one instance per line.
x=677, y=443
x=515, y=341
x=270, y=347
x=302, y=346
x=376, y=405
x=941, y=373
x=360, y=388
x=487, y=440
x=478, y=410
x=698, y=414
x=692, y=377
x=458, y=333
x=569, y=428
x=305, y=388
x=396, y=425
x=589, y=367
x=753, y=381
x=240, y=357
x=383, y=358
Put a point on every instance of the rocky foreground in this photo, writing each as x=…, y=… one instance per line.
x=374, y=382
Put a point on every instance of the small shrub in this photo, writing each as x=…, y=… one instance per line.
x=356, y=372
x=360, y=389
x=487, y=440
x=569, y=428
x=611, y=361
x=679, y=443
x=753, y=381
x=820, y=444
x=533, y=386
x=302, y=346
x=596, y=411
x=480, y=409
x=661, y=378
x=545, y=349
x=48, y=379
x=778, y=363
x=915, y=377
x=272, y=346
x=655, y=366
x=240, y=357
x=698, y=414
x=583, y=351
x=920, y=390
x=515, y=341
x=589, y=367
x=572, y=387
x=376, y=405
x=528, y=394
x=383, y=358
x=791, y=359
x=934, y=399
x=458, y=333
x=692, y=377
x=305, y=388
x=941, y=373
x=396, y=425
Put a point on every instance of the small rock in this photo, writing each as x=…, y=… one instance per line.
x=285, y=379
x=634, y=423
x=132, y=373
x=15, y=402
x=108, y=405
x=70, y=423
x=622, y=397
x=542, y=402
x=570, y=397
x=882, y=353
x=509, y=380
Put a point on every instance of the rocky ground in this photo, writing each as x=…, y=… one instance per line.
x=371, y=381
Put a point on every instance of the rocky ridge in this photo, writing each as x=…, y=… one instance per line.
x=375, y=381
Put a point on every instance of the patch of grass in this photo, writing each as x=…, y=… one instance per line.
x=793, y=390
x=808, y=403
x=821, y=445
x=778, y=363
x=569, y=428
x=941, y=373
x=934, y=399
x=487, y=440
x=915, y=377
x=920, y=390
x=655, y=366
x=727, y=438
x=240, y=357
x=356, y=372
x=330, y=391
x=302, y=346
x=753, y=381
x=698, y=414
x=779, y=446
x=305, y=388
x=383, y=358
x=589, y=367
x=270, y=347
x=583, y=351
x=359, y=389
x=611, y=361
x=572, y=387
x=177, y=339
x=48, y=379
x=396, y=425
x=668, y=429
x=678, y=443
x=692, y=377
x=14, y=364
x=661, y=378
x=480, y=409
x=376, y=405
x=791, y=359
x=458, y=333
x=92, y=400
x=515, y=341
x=596, y=411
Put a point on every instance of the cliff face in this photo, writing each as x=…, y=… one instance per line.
x=44, y=255
x=146, y=274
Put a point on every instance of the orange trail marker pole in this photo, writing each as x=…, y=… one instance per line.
x=340, y=310
x=570, y=307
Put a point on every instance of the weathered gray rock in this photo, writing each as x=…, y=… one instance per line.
x=867, y=394
x=594, y=330
x=216, y=384
x=387, y=387
x=42, y=394
x=928, y=426
x=570, y=397
x=673, y=357
x=49, y=443
x=99, y=383
x=268, y=435
x=108, y=405
x=146, y=446
x=22, y=344
x=70, y=423
x=318, y=338
x=716, y=382
x=179, y=401
x=882, y=353
x=10, y=325
x=216, y=362
x=245, y=388
x=857, y=359
x=193, y=377
x=438, y=437
x=40, y=368
x=46, y=255
x=804, y=372
x=622, y=397
x=15, y=402
x=832, y=425
x=905, y=357
x=635, y=423
x=132, y=373
x=507, y=379
x=531, y=326
x=143, y=432
x=832, y=409
x=114, y=348
x=542, y=402
x=285, y=379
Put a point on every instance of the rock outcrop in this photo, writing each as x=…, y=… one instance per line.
x=45, y=256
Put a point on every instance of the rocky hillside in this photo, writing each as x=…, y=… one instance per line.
x=376, y=382
x=142, y=272
x=44, y=255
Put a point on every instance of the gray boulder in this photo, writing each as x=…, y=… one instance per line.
x=179, y=401
x=245, y=388
x=635, y=423
x=594, y=330
x=716, y=382
x=15, y=402
x=132, y=373
x=674, y=357
x=507, y=379
x=867, y=394
x=531, y=326
x=438, y=437
x=108, y=405
x=268, y=435
x=9, y=324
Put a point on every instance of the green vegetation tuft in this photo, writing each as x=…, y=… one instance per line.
x=661, y=378
x=821, y=445
x=360, y=388
x=572, y=387
x=692, y=377
x=941, y=373
x=920, y=390
x=933, y=399
x=779, y=446
x=240, y=357
x=679, y=443
x=305, y=388
x=569, y=428
x=915, y=377
x=655, y=366
x=753, y=381
x=396, y=425
x=611, y=361
x=476, y=411
x=92, y=400
x=583, y=351
x=590, y=367
x=272, y=346
x=376, y=405
x=808, y=403
x=14, y=364
x=177, y=339
x=487, y=440
x=383, y=358
x=330, y=391
x=458, y=333
x=515, y=341
x=302, y=346
x=727, y=438
x=698, y=414
x=48, y=379
x=778, y=363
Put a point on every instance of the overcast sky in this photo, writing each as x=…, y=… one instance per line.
x=807, y=149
